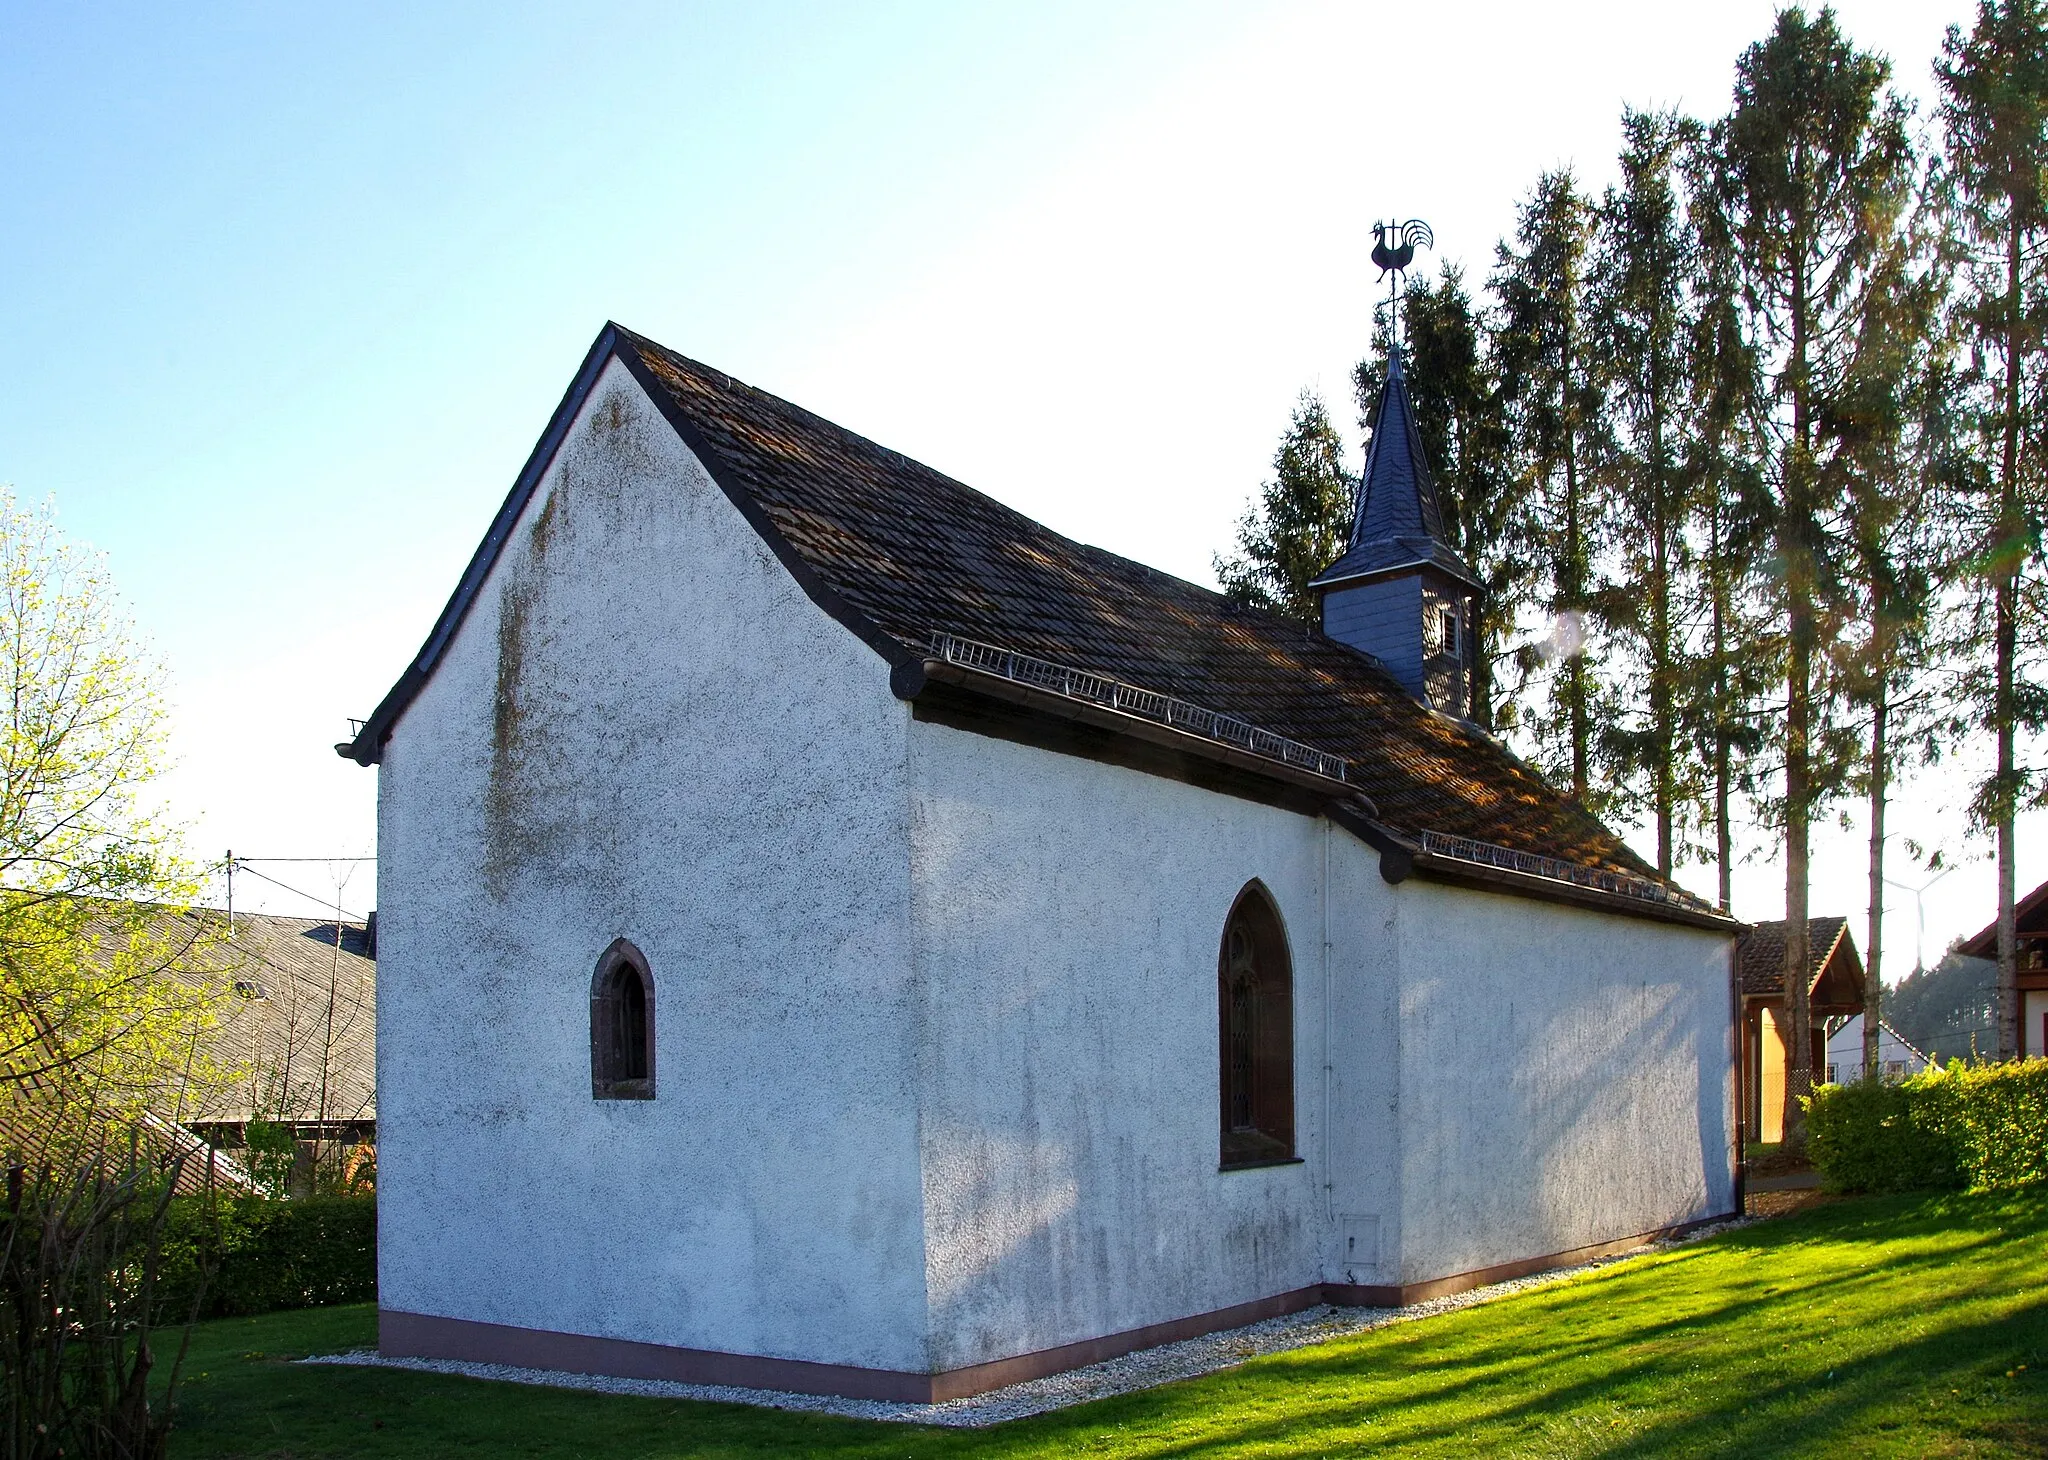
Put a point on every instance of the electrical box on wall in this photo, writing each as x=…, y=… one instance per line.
x=1361, y=1256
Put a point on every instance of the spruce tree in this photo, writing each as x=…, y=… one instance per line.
x=1642, y=299
x=1301, y=522
x=1891, y=425
x=1552, y=406
x=1995, y=112
x=1727, y=666
x=1812, y=148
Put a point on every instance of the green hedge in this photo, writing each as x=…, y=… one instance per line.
x=1965, y=1125
x=273, y=1254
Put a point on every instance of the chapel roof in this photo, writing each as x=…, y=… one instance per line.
x=1400, y=520
x=900, y=553
x=1760, y=953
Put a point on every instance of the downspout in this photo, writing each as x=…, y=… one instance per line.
x=1329, y=1179
x=1738, y=1027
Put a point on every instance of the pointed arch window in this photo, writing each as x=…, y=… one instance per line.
x=622, y=1026
x=1255, y=1019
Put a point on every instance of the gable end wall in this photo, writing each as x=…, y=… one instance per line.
x=645, y=729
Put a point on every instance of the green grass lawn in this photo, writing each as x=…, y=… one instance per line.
x=1880, y=1326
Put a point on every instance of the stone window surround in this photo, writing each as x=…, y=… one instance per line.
x=607, y=1081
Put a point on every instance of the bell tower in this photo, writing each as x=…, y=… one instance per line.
x=1401, y=592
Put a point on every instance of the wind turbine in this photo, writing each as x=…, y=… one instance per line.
x=1920, y=914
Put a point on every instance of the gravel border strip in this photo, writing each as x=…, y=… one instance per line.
x=1188, y=1359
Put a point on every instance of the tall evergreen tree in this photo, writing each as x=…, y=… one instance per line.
x=1995, y=111
x=1455, y=391
x=1890, y=421
x=1812, y=145
x=1301, y=522
x=1727, y=666
x=1642, y=298
x=1553, y=407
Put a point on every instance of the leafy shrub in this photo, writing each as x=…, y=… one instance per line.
x=1973, y=1125
x=1873, y=1136
x=82, y=1314
x=2001, y=1122
x=275, y=1254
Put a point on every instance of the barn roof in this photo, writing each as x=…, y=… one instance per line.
x=911, y=560
x=1760, y=953
x=301, y=1024
x=293, y=1040
x=37, y=1129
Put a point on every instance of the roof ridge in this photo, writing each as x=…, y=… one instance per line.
x=1263, y=628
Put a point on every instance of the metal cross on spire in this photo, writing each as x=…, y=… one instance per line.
x=1393, y=249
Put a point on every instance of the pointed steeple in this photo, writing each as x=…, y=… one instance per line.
x=1399, y=522
x=1401, y=591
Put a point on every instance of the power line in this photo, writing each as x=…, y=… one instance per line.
x=306, y=859
x=325, y=902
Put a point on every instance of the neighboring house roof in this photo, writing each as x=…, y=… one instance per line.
x=1850, y=1038
x=301, y=1025
x=901, y=554
x=36, y=1131
x=2030, y=914
x=295, y=1037
x=1760, y=956
x=1400, y=521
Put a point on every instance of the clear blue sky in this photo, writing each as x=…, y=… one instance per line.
x=289, y=292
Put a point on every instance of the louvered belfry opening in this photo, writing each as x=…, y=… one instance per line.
x=1255, y=1008
x=622, y=1026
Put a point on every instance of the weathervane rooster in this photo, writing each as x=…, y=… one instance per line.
x=1393, y=250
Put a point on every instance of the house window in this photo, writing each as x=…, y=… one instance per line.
x=1255, y=1026
x=1447, y=631
x=622, y=1026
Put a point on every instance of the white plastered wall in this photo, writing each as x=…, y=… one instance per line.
x=1068, y=917
x=1566, y=1078
x=645, y=729
x=1506, y=1079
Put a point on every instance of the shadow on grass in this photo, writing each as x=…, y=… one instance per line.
x=1865, y=1396
x=1583, y=1359
x=1511, y=1406
x=1856, y=1320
